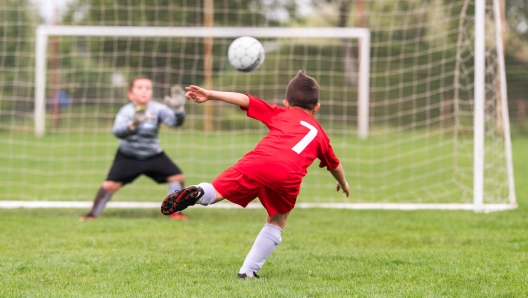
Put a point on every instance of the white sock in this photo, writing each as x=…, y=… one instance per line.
x=175, y=186
x=266, y=242
x=209, y=194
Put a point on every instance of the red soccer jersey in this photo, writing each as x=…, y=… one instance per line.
x=280, y=160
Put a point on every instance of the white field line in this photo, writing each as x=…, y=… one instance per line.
x=354, y=206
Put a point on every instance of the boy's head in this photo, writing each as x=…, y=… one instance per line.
x=303, y=92
x=140, y=91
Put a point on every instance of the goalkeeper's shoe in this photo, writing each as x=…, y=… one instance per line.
x=87, y=217
x=178, y=216
x=244, y=275
x=181, y=199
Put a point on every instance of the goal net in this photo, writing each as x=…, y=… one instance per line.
x=414, y=105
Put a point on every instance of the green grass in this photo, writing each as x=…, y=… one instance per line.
x=388, y=167
x=324, y=253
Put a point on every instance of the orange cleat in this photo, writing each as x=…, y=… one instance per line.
x=178, y=216
x=87, y=217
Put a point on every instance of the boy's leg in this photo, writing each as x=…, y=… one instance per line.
x=266, y=242
x=278, y=220
x=210, y=196
x=232, y=184
x=203, y=193
x=124, y=170
x=176, y=184
x=104, y=194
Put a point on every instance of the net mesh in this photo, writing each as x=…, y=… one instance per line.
x=420, y=144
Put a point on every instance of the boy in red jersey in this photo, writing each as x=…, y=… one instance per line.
x=274, y=170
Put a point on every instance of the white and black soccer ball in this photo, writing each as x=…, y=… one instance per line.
x=245, y=54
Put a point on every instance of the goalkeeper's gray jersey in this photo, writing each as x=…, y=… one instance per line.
x=144, y=142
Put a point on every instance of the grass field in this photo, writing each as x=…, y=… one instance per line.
x=324, y=253
x=395, y=166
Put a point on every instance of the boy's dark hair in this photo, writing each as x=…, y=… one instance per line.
x=303, y=91
x=133, y=81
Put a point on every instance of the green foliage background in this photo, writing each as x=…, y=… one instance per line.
x=17, y=31
x=404, y=38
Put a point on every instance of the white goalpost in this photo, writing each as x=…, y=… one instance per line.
x=416, y=108
x=479, y=108
x=504, y=104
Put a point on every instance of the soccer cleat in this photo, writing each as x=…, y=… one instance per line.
x=87, y=217
x=244, y=275
x=181, y=199
x=178, y=216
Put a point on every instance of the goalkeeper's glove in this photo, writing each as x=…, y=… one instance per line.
x=138, y=118
x=176, y=100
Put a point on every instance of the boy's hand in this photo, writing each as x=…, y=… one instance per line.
x=198, y=94
x=176, y=100
x=345, y=188
x=138, y=118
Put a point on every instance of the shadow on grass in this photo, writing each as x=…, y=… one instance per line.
x=108, y=213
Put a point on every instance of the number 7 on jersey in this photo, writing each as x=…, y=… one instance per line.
x=308, y=138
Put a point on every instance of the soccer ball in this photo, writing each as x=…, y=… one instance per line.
x=245, y=54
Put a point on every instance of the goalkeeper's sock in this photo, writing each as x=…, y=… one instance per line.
x=175, y=186
x=101, y=198
x=266, y=242
x=209, y=194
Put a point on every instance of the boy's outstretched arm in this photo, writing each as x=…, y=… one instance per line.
x=339, y=175
x=200, y=95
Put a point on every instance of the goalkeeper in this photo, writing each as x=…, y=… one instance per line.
x=137, y=125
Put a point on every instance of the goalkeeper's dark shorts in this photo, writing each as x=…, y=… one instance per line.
x=126, y=169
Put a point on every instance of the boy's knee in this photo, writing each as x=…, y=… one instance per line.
x=278, y=220
x=176, y=178
x=111, y=186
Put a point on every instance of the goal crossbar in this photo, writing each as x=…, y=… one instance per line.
x=43, y=32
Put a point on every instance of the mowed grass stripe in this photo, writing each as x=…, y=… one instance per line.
x=330, y=253
x=399, y=167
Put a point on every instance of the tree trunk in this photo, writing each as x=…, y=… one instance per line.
x=521, y=114
x=350, y=62
x=208, y=64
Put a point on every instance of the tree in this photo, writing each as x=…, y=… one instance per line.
x=141, y=53
x=341, y=19
x=16, y=49
x=517, y=17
